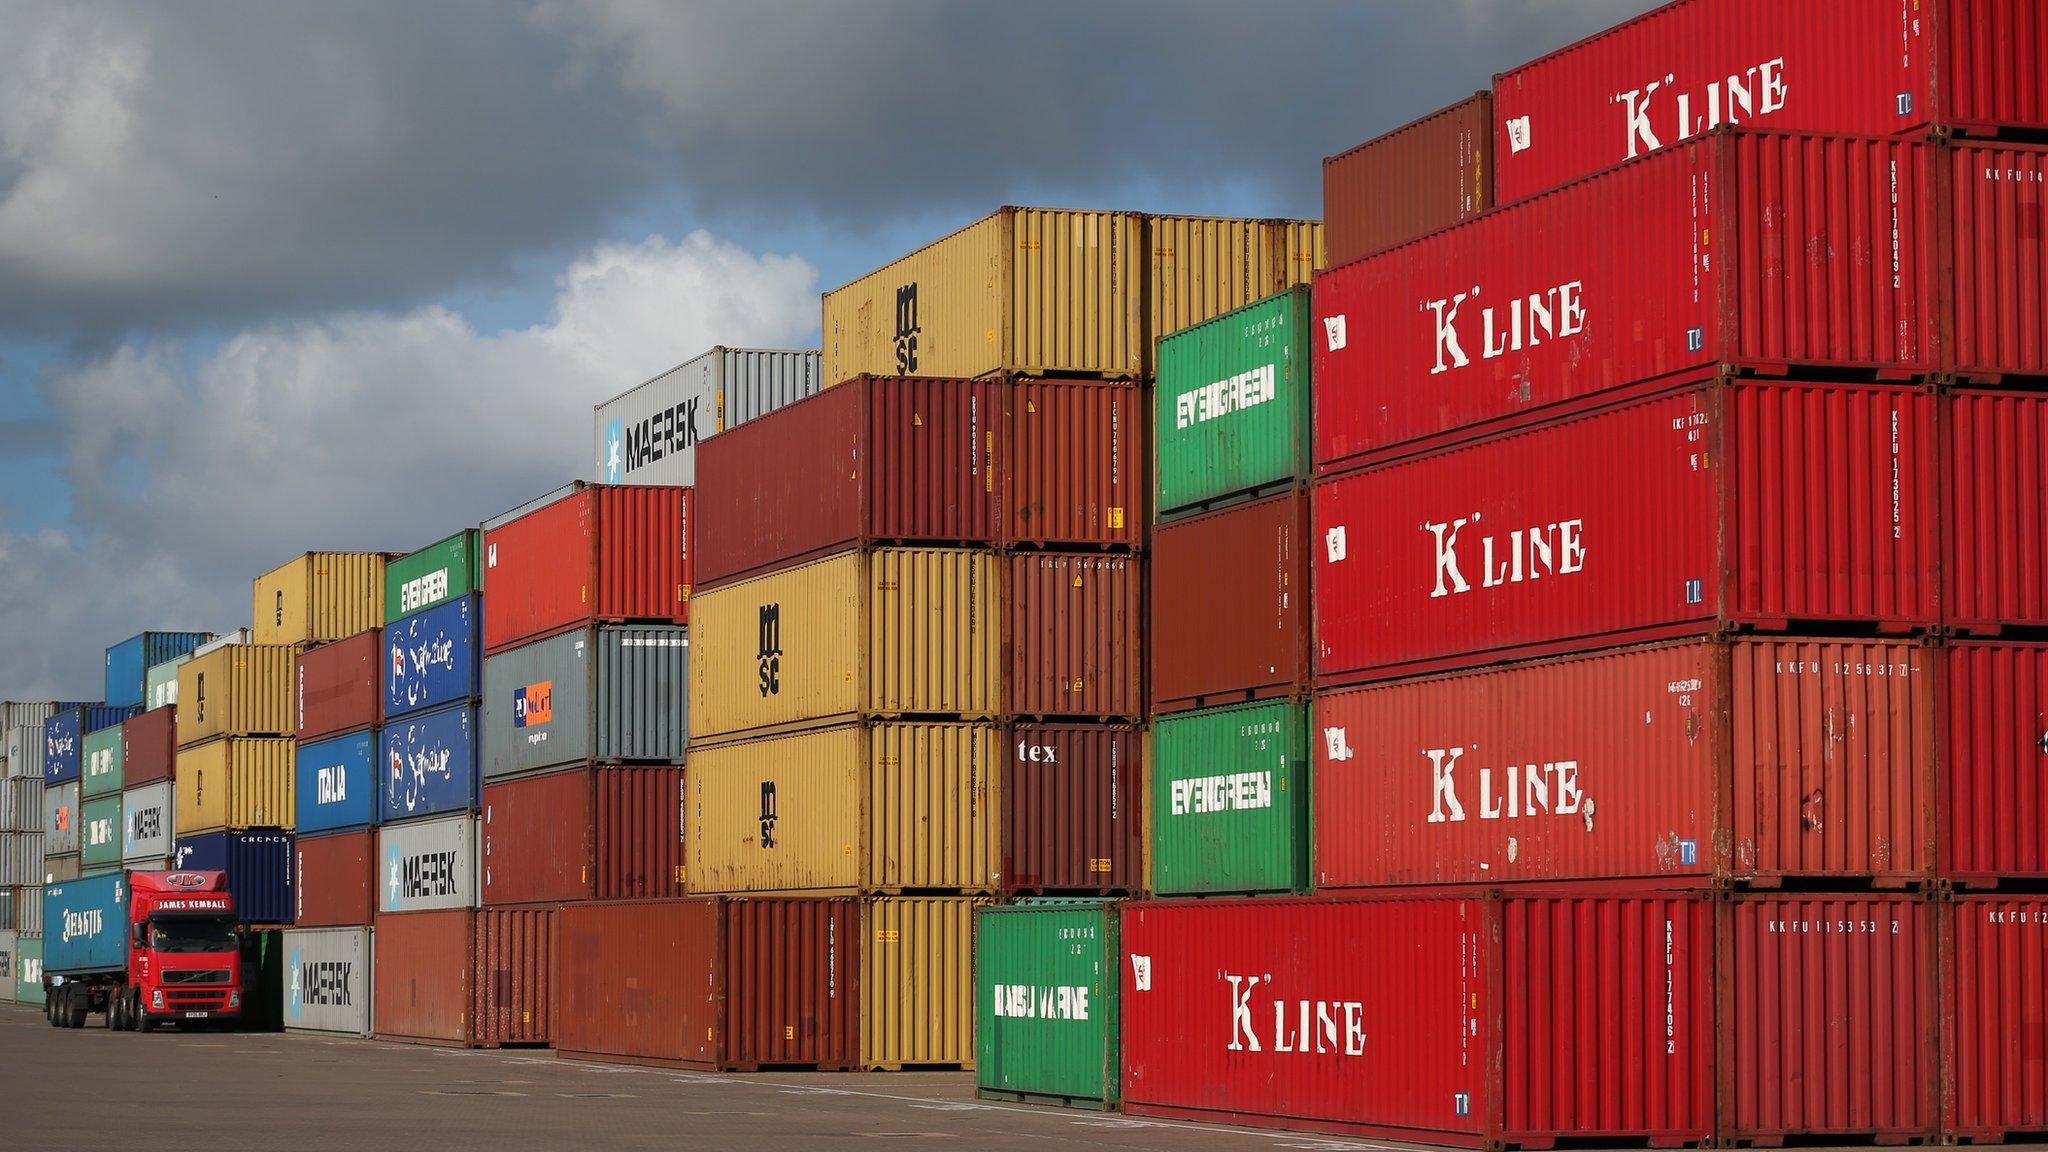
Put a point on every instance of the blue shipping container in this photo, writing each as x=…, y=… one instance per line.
x=337, y=783
x=64, y=736
x=131, y=659
x=431, y=659
x=85, y=925
x=261, y=875
x=430, y=764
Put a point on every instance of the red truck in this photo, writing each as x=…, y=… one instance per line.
x=146, y=948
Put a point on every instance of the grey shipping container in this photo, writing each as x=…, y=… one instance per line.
x=327, y=980
x=146, y=824
x=427, y=864
x=60, y=818
x=21, y=860
x=7, y=962
x=28, y=910
x=224, y=640
x=14, y=714
x=60, y=869
x=615, y=694
x=649, y=434
x=21, y=804
x=24, y=752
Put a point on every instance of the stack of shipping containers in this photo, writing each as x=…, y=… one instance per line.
x=74, y=735
x=21, y=847
x=105, y=771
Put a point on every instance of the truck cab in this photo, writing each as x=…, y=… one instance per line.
x=146, y=948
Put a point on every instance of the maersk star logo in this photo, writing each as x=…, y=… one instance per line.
x=298, y=990
x=612, y=442
x=391, y=885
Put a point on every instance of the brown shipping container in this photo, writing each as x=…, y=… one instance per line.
x=464, y=978
x=339, y=686
x=149, y=745
x=337, y=879
x=1994, y=1018
x=515, y=967
x=1995, y=510
x=711, y=983
x=1428, y=174
x=1073, y=809
x=1230, y=605
x=1073, y=635
x=917, y=982
x=1073, y=457
x=604, y=832
x=1994, y=763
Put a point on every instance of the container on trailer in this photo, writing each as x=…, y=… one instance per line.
x=1994, y=516
x=260, y=865
x=64, y=736
x=1074, y=464
x=149, y=745
x=60, y=819
x=1045, y=1003
x=21, y=805
x=1993, y=776
x=618, y=692
x=1073, y=809
x=57, y=869
x=893, y=632
x=600, y=553
x=464, y=978
x=649, y=434
x=85, y=925
x=1204, y=266
x=335, y=783
x=101, y=762
x=858, y=807
x=441, y=573
x=432, y=659
x=319, y=598
x=235, y=782
x=327, y=980
x=28, y=986
x=1993, y=952
x=1230, y=795
x=595, y=832
x=128, y=663
x=9, y=961
x=238, y=690
x=336, y=878
x=1230, y=605
x=1073, y=635
x=1866, y=66
x=146, y=824
x=1230, y=409
x=160, y=684
x=25, y=747
x=1755, y=251
x=1419, y=178
x=878, y=460
x=22, y=856
x=338, y=686
x=100, y=832
x=424, y=865
x=427, y=764
x=1720, y=506
x=917, y=982
x=1991, y=217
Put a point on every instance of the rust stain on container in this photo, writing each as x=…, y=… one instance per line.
x=1230, y=605
x=1073, y=635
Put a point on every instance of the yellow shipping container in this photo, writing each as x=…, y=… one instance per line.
x=239, y=690
x=1204, y=266
x=875, y=808
x=234, y=782
x=917, y=981
x=319, y=598
x=892, y=632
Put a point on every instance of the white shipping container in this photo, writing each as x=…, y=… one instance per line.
x=146, y=824
x=24, y=753
x=28, y=911
x=427, y=864
x=14, y=714
x=21, y=804
x=8, y=960
x=21, y=859
x=649, y=434
x=224, y=640
x=327, y=974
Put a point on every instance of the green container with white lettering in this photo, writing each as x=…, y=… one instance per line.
x=1230, y=800
x=1231, y=407
x=101, y=763
x=28, y=970
x=434, y=575
x=1045, y=1002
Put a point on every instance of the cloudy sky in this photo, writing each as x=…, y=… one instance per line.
x=278, y=276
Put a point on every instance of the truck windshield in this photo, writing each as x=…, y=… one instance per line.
x=192, y=934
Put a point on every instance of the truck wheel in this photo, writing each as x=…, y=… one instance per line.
x=50, y=1008
x=118, y=1015
x=143, y=1022
x=80, y=1005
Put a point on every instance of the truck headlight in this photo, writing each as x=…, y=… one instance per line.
x=156, y=998
x=235, y=999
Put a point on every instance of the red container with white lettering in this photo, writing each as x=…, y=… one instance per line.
x=1994, y=1018
x=1759, y=251
x=1723, y=505
x=1883, y=67
x=597, y=553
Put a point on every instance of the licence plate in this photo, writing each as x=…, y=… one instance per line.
x=197, y=1015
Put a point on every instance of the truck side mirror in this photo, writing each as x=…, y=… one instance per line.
x=139, y=933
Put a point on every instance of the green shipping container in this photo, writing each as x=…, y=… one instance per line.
x=28, y=970
x=1230, y=800
x=1045, y=1002
x=432, y=576
x=1231, y=409
x=160, y=684
x=99, y=762
x=99, y=834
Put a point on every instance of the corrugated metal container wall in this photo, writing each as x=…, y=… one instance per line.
x=878, y=460
x=886, y=807
x=1735, y=504
x=29, y=988
x=1073, y=463
x=327, y=980
x=1750, y=250
x=146, y=824
x=433, y=658
x=891, y=632
x=649, y=435
x=428, y=763
x=25, y=748
x=1045, y=1000
x=28, y=911
x=1230, y=795
x=1869, y=66
x=1230, y=605
x=100, y=832
x=319, y=598
x=57, y=869
x=21, y=861
x=160, y=684
x=1994, y=215
x=1204, y=266
x=336, y=875
x=337, y=688
x=101, y=762
x=1022, y=290
x=618, y=692
x=792, y=967
x=1994, y=1018
x=334, y=783
x=1231, y=405
x=759, y=382
x=515, y=965
x=1865, y=1064
x=128, y=663
x=1073, y=800
x=9, y=962
x=21, y=804
x=1073, y=635
x=1995, y=569
x=441, y=573
x=1994, y=762
x=60, y=819
x=239, y=690
x=1419, y=178
x=149, y=746
x=85, y=923
x=604, y=833
x=917, y=981
x=601, y=553
x=424, y=987
x=17, y=714
x=261, y=868
x=64, y=736
x=235, y=782
x=427, y=865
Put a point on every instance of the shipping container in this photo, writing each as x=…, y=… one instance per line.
x=893, y=632
x=335, y=783
x=1755, y=251
x=101, y=759
x=714, y=984
x=441, y=573
x=601, y=832
x=146, y=824
x=260, y=869
x=1073, y=635
x=1995, y=568
x=21, y=804
x=160, y=684
x=28, y=988
x=149, y=745
x=1994, y=1018
x=600, y=553
x=1992, y=214
x=235, y=782
x=327, y=980
x=884, y=807
x=1204, y=266
x=427, y=865
x=427, y=764
x=1419, y=178
x=1230, y=796
x=649, y=434
x=85, y=925
x=1045, y=1003
x=917, y=982
x=60, y=819
x=238, y=690
x=319, y=598
x=128, y=663
x=57, y=869
x=100, y=832
x=1731, y=505
x=22, y=863
x=1230, y=605
x=1073, y=809
x=1073, y=469
x=619, y=692
x=338, y=686
x=25, y=747
x=879, y=460
x=18, y=714
x=1231, y=406
x=1994, y=763
x=64, y=736
x=433, y=659
x=28, y=911
x=9, y=949
x=464, y=978
x=336, y=878
x=224, y=640
x=1870, y=66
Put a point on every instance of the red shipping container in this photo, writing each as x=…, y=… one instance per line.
x=1995, y=210
x=1073, y=809
x=592, y=833
x=1230, y=605
x=1073, y=460
x=1994, y=1018
x=1995, y=509
x=149, y=746
x=876, y=460
x=1994, y=763
x=711, y=983
x=464, y=978
x=337, y=879
x=604, y=552
x=340, y=686
x=1073, y=635
x=1872, y=66
x=1749, y=250
x=1732, y=504
x=1417, y=179
x=1452, y=1019
x=1753, y=760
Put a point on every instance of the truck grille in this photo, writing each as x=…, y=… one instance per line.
x=197, y=976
